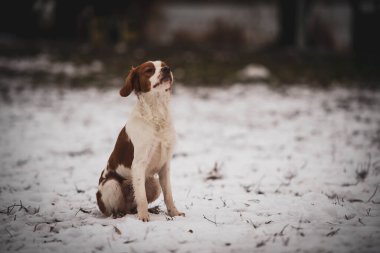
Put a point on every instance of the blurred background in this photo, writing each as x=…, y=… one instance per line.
x=207, y=42
x=283, y=154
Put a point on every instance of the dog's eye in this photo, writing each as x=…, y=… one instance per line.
x=149, y=70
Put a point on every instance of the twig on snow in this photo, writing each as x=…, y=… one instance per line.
x=23, y=207
x=10, y=208
x=253, y=224
x=53, y=240
x=350, y=216
x=82, y=210
x=215, y=173
x=373, y=195
x=281, y=233
x=213, y=221
x=262, y=243
x=258, y=191
x=248, y=188
x=117, y=230
x=299, y=228
x=282, y=230
x=129, y=241
x=332, y=233
x=285, y=241
x=355, y=200
x=78, y=190
x=224, y=202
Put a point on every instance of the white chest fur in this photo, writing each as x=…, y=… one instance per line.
x=151, y=131
x=161, y=155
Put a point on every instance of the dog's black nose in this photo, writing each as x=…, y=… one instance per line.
x=165, y=70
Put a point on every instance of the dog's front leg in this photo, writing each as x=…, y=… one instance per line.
x=139, y=167
x=138, y=181
x=164, y=175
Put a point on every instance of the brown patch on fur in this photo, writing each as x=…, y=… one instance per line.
x=112, y=175
x=138, y=79
x=152, y=188
x=100, y=202
x=122, y=153
x=101, y=178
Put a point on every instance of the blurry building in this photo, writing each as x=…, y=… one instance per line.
x=335, y=25
x=341, y=26
x=249, y=24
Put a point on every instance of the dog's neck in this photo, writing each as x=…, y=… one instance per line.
x=154, y=107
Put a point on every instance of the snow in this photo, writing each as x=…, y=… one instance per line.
x=290, y=170
x=43, y=63
x=254, y=72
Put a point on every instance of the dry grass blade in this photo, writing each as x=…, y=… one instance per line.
x=355, y=200
x=332, y=233
x=10, y=209
x=117, y=230
x=262, y=243
x=79, y=190
x=373, y=195
x=215, y=173
x=129, y=241
x=83, y=211
x=363, y=170
x=283, y=229
x=255, y=226
x=213, y=221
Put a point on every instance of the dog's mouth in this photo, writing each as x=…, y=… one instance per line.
x=167, y=79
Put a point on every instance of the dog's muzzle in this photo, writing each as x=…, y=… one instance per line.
x=165, y=75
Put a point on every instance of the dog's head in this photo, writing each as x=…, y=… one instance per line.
x=151, y=76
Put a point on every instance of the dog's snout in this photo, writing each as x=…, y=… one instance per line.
x=165, y=70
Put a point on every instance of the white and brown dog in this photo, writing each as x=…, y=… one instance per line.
x=143, y=149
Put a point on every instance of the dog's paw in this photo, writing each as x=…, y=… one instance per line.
x=143, y=216
x=175, y=212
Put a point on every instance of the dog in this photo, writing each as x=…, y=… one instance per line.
x=139, y=166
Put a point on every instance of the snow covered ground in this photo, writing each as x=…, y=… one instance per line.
x=254, y=170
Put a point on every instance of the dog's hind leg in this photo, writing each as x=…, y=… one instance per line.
x=152, y=188
x=110, y=198
x=129, y=203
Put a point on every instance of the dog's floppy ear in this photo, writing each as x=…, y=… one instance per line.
x=129, y=83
